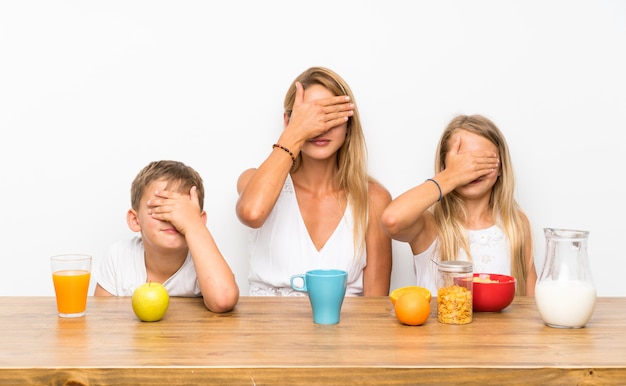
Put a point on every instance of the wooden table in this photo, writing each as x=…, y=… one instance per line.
x=273, y=340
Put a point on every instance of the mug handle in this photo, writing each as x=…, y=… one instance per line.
x=294, y=286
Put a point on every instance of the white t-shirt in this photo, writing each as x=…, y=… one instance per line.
x=490, y=254
x=283, y=247
x=124, y=269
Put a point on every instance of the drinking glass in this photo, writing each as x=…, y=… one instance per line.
x=71, y=275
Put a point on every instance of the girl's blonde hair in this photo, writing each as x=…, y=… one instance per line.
x=450, y=213
x=352, y=175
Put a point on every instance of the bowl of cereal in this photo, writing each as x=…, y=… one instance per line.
x=492, y=292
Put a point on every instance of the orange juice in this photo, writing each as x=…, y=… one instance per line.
x=71, y=287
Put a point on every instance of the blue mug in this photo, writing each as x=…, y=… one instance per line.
x=326, y=289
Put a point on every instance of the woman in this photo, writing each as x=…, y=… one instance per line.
x=311, y=204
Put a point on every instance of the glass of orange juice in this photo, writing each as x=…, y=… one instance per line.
x=71, y=275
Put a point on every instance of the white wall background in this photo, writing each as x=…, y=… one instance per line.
x=90, y=92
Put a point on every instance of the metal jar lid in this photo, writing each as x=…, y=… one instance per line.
x=455, y=266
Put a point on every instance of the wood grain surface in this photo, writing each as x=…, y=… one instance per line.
x=273, y=340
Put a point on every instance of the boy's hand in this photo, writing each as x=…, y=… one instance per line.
x=181, y=210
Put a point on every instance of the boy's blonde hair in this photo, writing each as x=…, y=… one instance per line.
x=450, y=213
x=180, y=178
x=352, y=174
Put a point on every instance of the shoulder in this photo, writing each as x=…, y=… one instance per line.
x=378, y=193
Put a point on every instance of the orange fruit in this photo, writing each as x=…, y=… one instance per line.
x=412, y=308
x=395, y=294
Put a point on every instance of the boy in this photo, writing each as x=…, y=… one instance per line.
x=175, y=247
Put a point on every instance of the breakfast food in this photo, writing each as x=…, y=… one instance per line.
x=395, y=294
x=412, y=309
x=484, y=279
x=454, y=305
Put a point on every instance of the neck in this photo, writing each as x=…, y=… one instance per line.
x=161, y=266
x=479, y=214
x=318, y=177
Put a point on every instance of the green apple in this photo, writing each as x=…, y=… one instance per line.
x=150, y=302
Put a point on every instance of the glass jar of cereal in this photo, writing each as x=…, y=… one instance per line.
x=454, y=295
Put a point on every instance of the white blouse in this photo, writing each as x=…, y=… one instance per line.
x=283, y=247
x=490, y=254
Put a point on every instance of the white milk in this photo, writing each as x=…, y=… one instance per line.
x=566, y=303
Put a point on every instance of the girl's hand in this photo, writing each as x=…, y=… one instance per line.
x=471, y=165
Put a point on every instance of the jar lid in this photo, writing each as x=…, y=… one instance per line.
x=455, y=266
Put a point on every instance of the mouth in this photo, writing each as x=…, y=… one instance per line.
x=171, y=231
x=319, y=141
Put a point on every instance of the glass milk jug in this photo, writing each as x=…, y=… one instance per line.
x=565, y=293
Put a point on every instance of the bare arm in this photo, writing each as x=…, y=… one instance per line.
x=259, y=188
x=377, y=273
x=101, y=291
x=217, y=281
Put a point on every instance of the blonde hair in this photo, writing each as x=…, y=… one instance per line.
x=352, y=175
x=450, y=213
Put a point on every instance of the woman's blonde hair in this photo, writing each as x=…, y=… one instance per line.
x=450, y=213
x=352, y=175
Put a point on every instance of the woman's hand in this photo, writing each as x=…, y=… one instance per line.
x=313, y=118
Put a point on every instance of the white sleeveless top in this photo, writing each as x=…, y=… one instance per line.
x=490, y=254
x=282, y=247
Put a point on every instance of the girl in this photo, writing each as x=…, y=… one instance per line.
x=467, y=211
